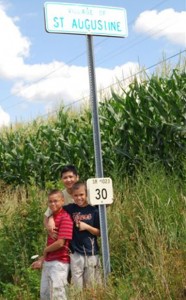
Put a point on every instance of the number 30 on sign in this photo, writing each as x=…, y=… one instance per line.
x=100, y=191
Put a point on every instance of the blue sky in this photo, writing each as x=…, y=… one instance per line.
x=40, y=70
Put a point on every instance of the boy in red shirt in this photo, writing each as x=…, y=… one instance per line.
x=55, y=260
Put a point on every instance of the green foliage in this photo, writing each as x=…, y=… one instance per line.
x=25, y=286
x=39, y=154
x=146, y=229
x=21, y=236
x=146, y=122
x=148, y=220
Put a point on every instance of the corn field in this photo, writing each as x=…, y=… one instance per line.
x=147, y=122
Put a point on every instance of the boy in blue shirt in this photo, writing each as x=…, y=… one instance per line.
x=84, y=257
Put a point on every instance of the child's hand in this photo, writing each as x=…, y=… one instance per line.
x=53, y=234
x=37, y=264
x=82, y=226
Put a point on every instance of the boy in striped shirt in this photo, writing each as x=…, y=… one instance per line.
x=55, y=260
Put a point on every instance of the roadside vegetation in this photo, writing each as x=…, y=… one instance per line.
x=143, y=134
x=146, y=227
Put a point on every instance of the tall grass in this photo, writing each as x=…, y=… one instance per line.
x=146, y=228
x=21, y=236
x=148, y=220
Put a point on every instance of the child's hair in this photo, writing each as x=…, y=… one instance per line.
x=69, y=168
x=79, y=184
x=55, y=191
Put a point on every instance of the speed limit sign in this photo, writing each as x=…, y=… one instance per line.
x=100, y=191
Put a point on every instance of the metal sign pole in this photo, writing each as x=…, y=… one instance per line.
x=98, y=156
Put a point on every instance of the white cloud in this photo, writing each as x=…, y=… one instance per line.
x=167, y=23
x=53, y=82
x=4, y=118
x=70, y=83
x=14, y=47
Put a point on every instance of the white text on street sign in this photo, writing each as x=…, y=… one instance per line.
x=85, y=19
x=100, y=191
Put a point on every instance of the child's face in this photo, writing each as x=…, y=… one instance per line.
x=80, y=196
x=55, y=202
x=69, y=178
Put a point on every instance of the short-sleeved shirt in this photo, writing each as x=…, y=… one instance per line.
x=68, y=200
x=83, y=241
x=64, y=225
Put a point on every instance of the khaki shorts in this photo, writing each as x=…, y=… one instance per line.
x=85, y=270
x=54, y=280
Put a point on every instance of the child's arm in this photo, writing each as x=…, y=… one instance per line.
x=49, y=223
x=45, y=222
x=51, y=228
x=93, y=230
x=55, y=246
x=47, y=214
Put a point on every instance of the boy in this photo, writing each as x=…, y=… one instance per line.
x=56, y=258
x=69, y=176
x=84, y=258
